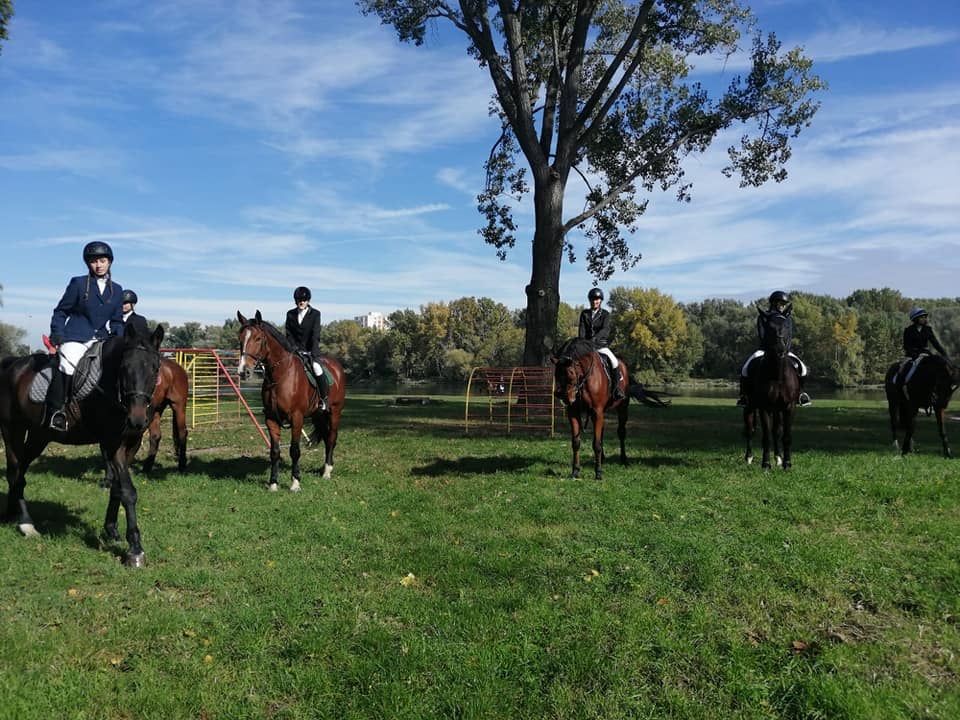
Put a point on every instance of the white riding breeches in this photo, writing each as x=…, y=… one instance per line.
x=317, y=368
x=760, y=353
x=913, y=366
x=610, y=356
x=70, y=354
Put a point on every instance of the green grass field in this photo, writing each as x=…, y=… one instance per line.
x=439, y=575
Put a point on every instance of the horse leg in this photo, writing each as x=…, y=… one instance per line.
x=942, y=428
x=330, y=441
x=15, y=448
x=788, y=438
x=622, y=430
x=180, y=433
x=296, y=431
x=778, y=437
x=273, y=427
x=749, y=428
x=598, y=445
x=575, y=443
x=123, y=492
x=894, y=413
x=766, y=423
x=154, y=432
x=909, y=423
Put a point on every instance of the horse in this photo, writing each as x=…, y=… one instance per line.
x=172, y=390
x=581, y=383
x=931, y=386
x=773, y=390
x=288, y=395
x=114, y=414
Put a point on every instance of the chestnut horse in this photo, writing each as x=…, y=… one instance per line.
x=931, y=386
x=582, y=384
x=288, y=395
x=172, y=390
x=773, y=389
x=114, y=414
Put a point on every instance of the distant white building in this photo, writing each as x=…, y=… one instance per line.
x=375, y=320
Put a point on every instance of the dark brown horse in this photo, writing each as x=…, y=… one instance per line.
x=773, y=389
x=931, y=386
x=114, y=414
x=288, y=396
x=582, y=383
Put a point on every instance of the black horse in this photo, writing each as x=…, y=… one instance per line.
x=931, y=386
x=773, y=388
x=114, y=414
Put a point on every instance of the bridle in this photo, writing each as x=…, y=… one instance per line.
x=124, y=396
x=584, y=374
x=259, y=359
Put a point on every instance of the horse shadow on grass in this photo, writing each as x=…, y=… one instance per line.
x=471, y=465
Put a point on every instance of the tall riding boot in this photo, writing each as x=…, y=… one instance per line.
x=56, y=396
x=803, y=398
x=742, y=400
x=324, y=387
x=617, y=390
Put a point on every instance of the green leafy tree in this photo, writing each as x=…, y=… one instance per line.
x=405, y=359
x=650, y=332
x=6, y=14
x=12, y=340
x=188, y=335
x=728, y=329
x=601, y=88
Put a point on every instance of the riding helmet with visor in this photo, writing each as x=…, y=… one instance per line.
x=97, y=249
x=917, y=313
x=129, y=296
x=595, y=294
x=777, y=297
x=301, y=293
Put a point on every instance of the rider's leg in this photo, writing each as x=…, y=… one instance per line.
x=322, y=384
x=618, y=373
x=744, y=374
x=804, y=398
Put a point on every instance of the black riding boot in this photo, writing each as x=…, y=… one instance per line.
x=742, y=400
x=617, y=390
x=324, y=387
x=56, y=396
x=803, y=399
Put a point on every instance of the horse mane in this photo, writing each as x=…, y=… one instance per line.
x=574, y=348
x=278, y=336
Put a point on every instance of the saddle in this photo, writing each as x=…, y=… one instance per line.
x=307, y=361
x=81, y=383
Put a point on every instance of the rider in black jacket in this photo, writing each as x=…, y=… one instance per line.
x=916, y=341
x=595, y=326
x=303, y=330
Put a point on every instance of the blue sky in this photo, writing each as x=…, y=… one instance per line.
x=230, y=151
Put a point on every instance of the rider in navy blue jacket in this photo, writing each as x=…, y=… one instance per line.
x=303, y=330
x=90, y=310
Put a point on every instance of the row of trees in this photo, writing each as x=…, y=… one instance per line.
x=845, y=341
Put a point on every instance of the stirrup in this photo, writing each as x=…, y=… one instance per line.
x=58, y=421
x=803, y=400
x=742, y=401
x=322, y=405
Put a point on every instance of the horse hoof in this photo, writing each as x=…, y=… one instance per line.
x=273, y=487
x=28, y=530
x=787, y=466
x=135, y=560
x=779, y=461
x=295, y=486
x=327, y=471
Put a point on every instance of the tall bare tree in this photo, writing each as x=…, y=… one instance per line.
x=602, y=88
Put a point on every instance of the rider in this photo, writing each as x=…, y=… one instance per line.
x=595, y=326
x=89, y=310
x=916, y=338
x=130, y=316
x=303, y=329
x=777, y=302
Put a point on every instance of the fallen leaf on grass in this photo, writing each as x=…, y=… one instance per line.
x=408, y=580
x=591, y=575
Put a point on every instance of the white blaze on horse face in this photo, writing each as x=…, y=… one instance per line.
x=242, y=365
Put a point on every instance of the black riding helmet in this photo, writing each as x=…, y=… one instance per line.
x=778, y=297
x=97, y=249
x=594, y=294
x=301, y=293
x=129, y=296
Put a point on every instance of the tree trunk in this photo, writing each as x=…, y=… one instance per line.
x=543, y=292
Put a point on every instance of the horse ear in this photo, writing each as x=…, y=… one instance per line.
x=241, y=318
x=788, y=310
x=760, y=309
x=258, y=317
x=157, y=337
x=554, y=359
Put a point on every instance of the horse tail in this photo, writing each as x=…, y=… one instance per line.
x=648, y=397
